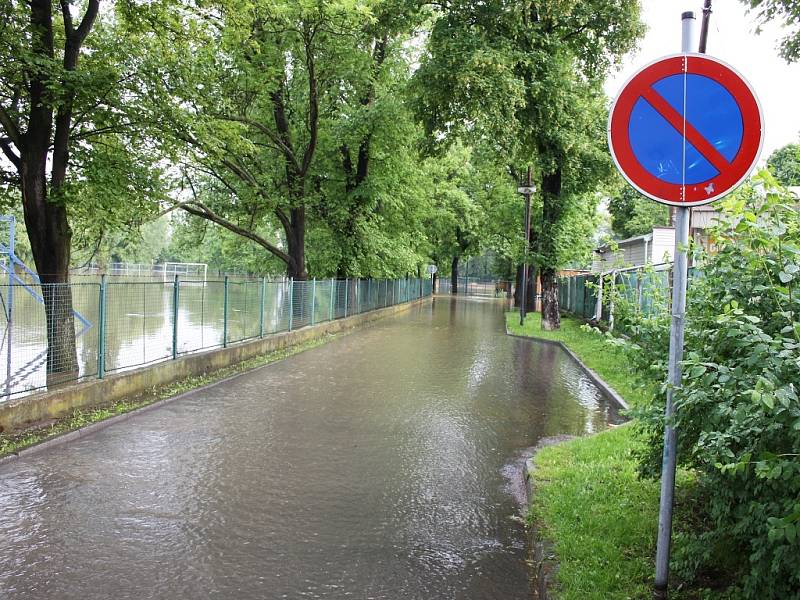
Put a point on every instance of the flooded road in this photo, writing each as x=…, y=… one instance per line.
x=378, y=466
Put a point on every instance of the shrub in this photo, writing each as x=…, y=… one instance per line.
x=737, y=412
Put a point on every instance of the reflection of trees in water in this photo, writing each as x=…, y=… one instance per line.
x=27, y=347
x=138, y=323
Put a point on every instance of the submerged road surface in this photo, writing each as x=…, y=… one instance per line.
x=379, y=466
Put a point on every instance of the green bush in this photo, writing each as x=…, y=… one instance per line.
x=738, y=413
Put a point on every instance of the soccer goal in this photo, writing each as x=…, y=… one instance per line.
x=189, y=271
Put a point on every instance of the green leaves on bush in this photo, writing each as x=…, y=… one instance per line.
x=738, y=411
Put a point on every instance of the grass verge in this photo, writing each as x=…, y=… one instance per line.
x=14, y=442
x=601, y=517
x=588, y=498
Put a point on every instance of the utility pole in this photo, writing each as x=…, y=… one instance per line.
x=527, y=190
x=704, y=26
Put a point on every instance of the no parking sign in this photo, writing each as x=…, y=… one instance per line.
x=686, y=130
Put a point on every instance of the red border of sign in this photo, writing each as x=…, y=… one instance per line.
x=672, y=193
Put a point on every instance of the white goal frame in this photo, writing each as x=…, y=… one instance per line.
x=180, y=268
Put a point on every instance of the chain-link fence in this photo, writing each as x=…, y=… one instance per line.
x=54, y=333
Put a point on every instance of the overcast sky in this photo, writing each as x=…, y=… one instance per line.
x=731, y=38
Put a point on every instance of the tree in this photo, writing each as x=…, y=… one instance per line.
x=527, y=76
x=39, y=91
x=633, y=214
x=787, y=11
x=784, y=163
x=62, y=80
x=455, y=218
x=278, y=113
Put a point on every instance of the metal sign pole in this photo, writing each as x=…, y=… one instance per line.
x=679, y=281
x=527, y=190
x=10, y=300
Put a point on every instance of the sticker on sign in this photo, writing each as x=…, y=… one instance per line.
x=686, y=129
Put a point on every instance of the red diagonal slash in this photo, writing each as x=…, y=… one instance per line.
x=694, y=137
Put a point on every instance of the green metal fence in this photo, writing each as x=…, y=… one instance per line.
x=648, y=290
x=64, y=332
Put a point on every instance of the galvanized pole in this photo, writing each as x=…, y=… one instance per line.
x=679, y=281
x=345, y=296
x=261, y=317
x=101, y=330
x=313, y=297
x=10, y=300
x=175, y=299
x=524, y=294
x=333, y=296
x=225, y=312
x=291, y=301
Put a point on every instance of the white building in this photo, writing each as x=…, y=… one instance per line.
x=655, y=247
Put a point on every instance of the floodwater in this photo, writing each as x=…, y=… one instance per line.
x=144, y=316
x=383, y=465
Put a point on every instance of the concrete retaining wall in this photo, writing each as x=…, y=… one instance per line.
x=17, y=414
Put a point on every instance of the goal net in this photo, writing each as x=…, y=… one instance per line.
x=187, y=271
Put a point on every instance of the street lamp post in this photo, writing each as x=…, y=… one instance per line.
x=527, y=190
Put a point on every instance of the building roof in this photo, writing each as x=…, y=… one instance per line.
x=647, y=237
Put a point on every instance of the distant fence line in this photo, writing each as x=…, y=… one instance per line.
x=121, y=325
x=475, y=286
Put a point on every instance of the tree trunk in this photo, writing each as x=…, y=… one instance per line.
x=454, y=276
x=530, y=294
x=434, y=282
x=295, y=239
x=551, y=214
x=551, y=317
x=518, y=287
x=50, y=238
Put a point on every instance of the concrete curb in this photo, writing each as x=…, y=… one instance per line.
x=598, y=381
x=94, y=427
x=543, y=558
x=76, y=434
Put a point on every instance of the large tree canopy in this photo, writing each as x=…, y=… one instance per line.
x=786, y=11
x=288, y=117
x=527, y=77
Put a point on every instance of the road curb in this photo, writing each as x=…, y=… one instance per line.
x=598, y=381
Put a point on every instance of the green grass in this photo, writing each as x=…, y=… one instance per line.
x=601, y=517
x=588, y=498
x=16, y=441
x=593, y=349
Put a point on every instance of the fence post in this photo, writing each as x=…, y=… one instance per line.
x=358, y=296
x=313, y=298
x=345, y=296
x=611, y=303
x=369, y=292
x=291, y=301
x=261, y=314
x=101, y=330
x=176, y=286
x=225, y=312
x=333, y=296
